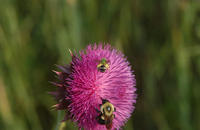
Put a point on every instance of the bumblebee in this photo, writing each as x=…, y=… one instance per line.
x=106, y=115
x=103, y=65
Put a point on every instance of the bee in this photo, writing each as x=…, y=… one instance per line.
x=106, y=115
x=103, y=65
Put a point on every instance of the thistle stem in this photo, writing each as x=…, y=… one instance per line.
x=58, y=120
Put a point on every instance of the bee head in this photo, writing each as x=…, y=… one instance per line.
x=103, y=61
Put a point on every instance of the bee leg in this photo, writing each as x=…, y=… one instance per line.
x=100, y=121
x=104, y=100
x=97, y=110
x=113, y=116
x=114, y=109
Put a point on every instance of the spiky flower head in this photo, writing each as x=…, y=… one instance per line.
x=96, y=74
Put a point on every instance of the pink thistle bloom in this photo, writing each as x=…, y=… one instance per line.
x=84, y=83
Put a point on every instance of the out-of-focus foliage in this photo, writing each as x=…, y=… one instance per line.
x=161, y=39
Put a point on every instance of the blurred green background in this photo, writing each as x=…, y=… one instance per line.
x=161, y=39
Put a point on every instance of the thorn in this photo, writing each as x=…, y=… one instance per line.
x=57, y=72
x=71, y=52
x=64, y=68
x=56, y=84
x=67, y=98
x=52, y=93
x=54, y=107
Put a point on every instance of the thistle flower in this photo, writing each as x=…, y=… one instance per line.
x=96, y=74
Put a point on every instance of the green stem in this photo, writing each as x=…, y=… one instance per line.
x=58, y=120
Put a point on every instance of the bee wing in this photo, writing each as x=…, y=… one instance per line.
x=99, y=65
x=108, y=122
x=109, y=125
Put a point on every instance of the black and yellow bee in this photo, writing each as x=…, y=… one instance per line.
x=103, y=65
x=106, y=114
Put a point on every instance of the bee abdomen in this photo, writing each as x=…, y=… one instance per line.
x=102, y=68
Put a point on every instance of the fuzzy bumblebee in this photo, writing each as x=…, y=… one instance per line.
x=103, y=65
x=106, y=115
